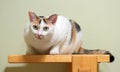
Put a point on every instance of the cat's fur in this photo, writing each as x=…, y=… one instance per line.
x=55, y=34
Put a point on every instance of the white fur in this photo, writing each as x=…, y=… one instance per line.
x=57, y=43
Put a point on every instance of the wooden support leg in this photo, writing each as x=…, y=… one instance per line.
x=69, y=67
x=84, y=64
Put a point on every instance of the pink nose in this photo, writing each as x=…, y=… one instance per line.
x=40, y=36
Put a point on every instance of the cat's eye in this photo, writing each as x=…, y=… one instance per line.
x=46, y=28
x=35, y=27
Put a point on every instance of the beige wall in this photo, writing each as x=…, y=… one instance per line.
x=99, y=19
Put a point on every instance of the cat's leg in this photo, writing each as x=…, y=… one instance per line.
x=54, y=50
x=30, y=50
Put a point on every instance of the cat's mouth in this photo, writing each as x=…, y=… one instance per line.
x=40, y=37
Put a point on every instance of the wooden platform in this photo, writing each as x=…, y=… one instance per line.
x=75, y=63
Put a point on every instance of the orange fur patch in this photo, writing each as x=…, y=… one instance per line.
x=81, y=50
x=73, y=31
x=36, y=21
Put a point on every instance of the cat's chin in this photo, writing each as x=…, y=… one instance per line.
x=39, y=38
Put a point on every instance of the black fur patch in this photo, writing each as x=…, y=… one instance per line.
x=77, y=27
x=44, y=20
x=41, y=16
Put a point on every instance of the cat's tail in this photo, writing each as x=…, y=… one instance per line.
x=97, y=51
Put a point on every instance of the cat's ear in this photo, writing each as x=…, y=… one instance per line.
x=32, y=16
x=53, y=18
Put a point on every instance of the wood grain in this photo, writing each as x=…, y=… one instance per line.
x=51, y=58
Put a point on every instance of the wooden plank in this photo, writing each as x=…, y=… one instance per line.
x=84, y=63
x=39, y=58
x=50, y=58
x=103, y=58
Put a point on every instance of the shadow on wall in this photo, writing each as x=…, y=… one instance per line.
x=35, y=67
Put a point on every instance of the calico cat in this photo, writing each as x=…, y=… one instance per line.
x=55, y=34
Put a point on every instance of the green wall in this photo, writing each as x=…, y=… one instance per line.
x=99, y=20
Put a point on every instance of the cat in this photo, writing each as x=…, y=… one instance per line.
x=55, y=34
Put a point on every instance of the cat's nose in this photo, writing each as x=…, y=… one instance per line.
x=40, y=36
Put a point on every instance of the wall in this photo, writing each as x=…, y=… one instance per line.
x=99, y=20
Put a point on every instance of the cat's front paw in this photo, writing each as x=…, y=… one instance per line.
x=55, y=50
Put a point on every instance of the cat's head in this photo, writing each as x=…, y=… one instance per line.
x=42, y=27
